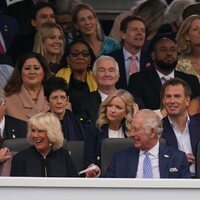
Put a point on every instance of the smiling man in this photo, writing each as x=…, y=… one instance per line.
x=161, y=161
x=146, y=85
x=106, y=74
x=132, y=30
x=180, y=130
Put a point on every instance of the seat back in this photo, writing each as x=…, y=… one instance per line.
x=109, y=147
x=17, y=144
x=75, y=149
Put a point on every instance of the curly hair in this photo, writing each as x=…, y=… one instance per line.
x=129, y=103
x=49, y=122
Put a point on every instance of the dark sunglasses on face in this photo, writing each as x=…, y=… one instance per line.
x=77, y=53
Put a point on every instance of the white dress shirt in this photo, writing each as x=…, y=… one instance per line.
x=154, y=156
x=102, y=95
x=171, y=75
x=2, y=126
x=183, y=140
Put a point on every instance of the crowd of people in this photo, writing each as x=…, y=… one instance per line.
x=62, y=78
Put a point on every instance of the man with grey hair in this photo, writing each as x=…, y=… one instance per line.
x=10, y=127
x=148, y=158
x=106, y=74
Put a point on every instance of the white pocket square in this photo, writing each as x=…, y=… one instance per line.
x=173, y=169
x=166, y=156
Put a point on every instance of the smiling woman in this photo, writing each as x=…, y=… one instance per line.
x=24, y=90
x=50, y=43
x=78, y=58
x=46, y=158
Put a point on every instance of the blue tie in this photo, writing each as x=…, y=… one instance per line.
x=147, y=168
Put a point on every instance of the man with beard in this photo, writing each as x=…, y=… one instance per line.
x=146, y=85
x=130, y=57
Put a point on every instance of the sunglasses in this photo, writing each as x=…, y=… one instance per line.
x=77, y=53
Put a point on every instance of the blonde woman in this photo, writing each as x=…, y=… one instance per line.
x=86, y=23
x=46, y=157
x=188, y=42
x=50, y=43
x=114, y=121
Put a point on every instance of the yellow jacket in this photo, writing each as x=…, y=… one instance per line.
x=66, y=73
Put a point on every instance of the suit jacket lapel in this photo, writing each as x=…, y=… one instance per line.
x=194, y=129
x=169, y=134
x=154, y=79
x=163, y=161
x=122, y=82
x=133, y=160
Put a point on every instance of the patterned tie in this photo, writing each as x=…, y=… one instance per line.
x=133, y=66
x=164, y=79
x=147, y=168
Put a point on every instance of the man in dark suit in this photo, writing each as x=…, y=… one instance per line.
x=10, y=127
x=132, y=30
x=146, y=85
x=161, y=161
x=106, y=74
x=180, y=130
x=8, y=30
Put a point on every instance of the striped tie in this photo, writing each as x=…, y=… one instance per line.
x=147, y=168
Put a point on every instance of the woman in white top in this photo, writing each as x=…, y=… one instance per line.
x=114, y=121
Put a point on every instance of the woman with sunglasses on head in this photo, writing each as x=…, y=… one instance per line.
x=78, y=58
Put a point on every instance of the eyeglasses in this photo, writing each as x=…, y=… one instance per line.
x=77, y=53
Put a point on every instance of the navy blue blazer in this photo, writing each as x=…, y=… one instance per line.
x=87, y=109
x=146, y=86
x=194, y=129
x=72, y=127
x=93, y=140
x=14, y=128
x=8, y=28
x=172, y=163
x=145, y=62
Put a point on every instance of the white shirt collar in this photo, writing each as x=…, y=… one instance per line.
x=127, y=55
x=103, y=95
x=2, y=125
x=171, y=75
x=153, y=151
x=174, y=125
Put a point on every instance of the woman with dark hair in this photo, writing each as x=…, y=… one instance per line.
x=24, y=90
x=79, y=57
x=55, y=90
